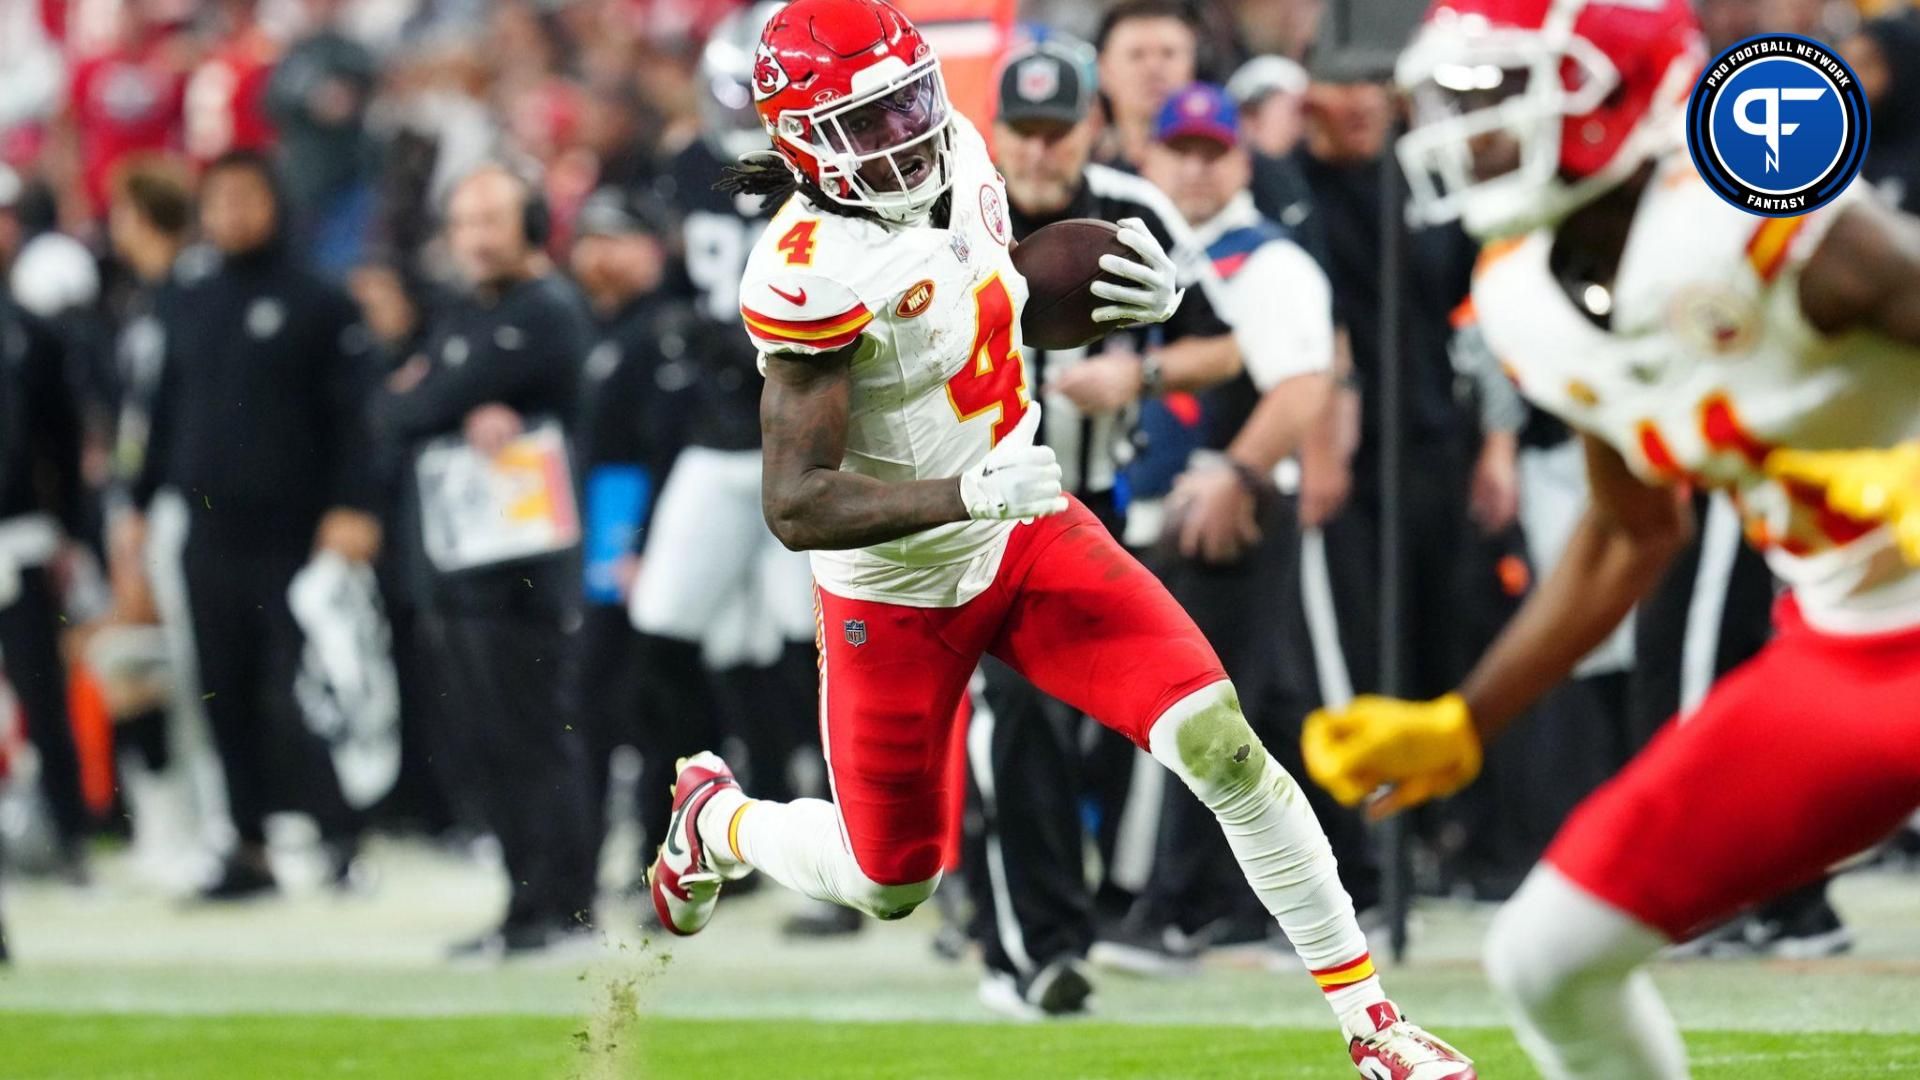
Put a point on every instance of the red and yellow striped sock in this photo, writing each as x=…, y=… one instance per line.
x=1350, y=985
x=1344, y=975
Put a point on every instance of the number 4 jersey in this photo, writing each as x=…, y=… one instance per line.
x=937, y=373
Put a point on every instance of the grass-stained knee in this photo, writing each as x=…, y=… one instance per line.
x=1214, y=741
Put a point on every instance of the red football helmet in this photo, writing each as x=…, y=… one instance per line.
x=853, y=99
x=1588, y=90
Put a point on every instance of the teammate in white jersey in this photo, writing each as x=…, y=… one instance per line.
x=1692, y=344
x=898, y=432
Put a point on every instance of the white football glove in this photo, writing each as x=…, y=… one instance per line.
x=1016, y=479
x=1154, y=295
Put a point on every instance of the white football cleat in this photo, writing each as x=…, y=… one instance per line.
x=684, y=882
x=1386, y=1047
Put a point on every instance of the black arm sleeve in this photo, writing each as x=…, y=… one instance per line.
x=346, y=377
x=162, y=418
x=55, y=410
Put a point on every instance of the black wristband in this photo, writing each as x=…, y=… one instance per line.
x=1250, y=478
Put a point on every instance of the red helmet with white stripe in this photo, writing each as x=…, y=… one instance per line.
x=852, y=97
x=1525, y=110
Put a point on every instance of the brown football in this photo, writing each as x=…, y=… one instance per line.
x=1060, y=262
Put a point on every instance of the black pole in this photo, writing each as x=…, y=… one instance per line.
x=1396, y=888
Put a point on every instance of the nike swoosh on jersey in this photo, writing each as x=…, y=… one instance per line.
x=797, y=298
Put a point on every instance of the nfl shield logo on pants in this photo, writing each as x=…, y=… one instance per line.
x=856, y=632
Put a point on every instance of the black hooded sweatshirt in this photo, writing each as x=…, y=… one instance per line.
x=39, y=421
x=260, y=415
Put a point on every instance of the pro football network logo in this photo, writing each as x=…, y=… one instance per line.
x=1778, y=125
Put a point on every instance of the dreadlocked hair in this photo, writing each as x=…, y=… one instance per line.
x=767, y=175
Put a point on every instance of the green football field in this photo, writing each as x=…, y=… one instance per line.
x=49, y=1045
x=114, y=981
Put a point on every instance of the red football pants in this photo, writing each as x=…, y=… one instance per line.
x=1806, y=754
x=1070, y=610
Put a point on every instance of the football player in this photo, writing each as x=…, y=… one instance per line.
x=1694, y=345
x=898, y=427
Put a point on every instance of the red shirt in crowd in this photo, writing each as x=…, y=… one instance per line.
x=226, y=97
x=124, y=101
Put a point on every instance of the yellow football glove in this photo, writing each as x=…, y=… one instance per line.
x=1422, y=749
x=1870, y=485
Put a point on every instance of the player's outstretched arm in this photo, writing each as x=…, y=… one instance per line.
x=1423, y=750
x=1865, y=275
x=1618, y=551
x=809, y=503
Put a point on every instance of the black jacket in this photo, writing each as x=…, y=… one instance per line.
x=259, y=418
x=634, y=390
x=523, y=349
x=39, y=421
x=1436, y=273
x=322, y=155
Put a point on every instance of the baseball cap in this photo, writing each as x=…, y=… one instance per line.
x=1201, y=110
x=1051, y=79
x=1350, y=66
x=1265, y=75
x=612, y=211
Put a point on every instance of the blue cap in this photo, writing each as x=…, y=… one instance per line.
x=1202, y=110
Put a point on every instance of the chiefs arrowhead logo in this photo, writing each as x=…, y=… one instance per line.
x=769, y=78
x=916, y=300
x=993, y=212
x=1715, y=322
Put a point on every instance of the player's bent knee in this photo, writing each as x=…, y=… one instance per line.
x=1217, y=751
x=1531, y=961
x=1513, y=957
x=889, y=902
x=1555, y=945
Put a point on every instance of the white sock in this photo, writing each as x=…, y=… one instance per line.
x=1355, y=995
x=1281, y=849
x=800, y=845
x=716, y=821
x=1569, y=967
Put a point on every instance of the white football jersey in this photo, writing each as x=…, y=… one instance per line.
x=937, y=378
x=1709, y=365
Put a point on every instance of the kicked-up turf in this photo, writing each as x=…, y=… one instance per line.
x=107, y=1046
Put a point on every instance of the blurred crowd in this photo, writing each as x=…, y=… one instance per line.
x=378, y=442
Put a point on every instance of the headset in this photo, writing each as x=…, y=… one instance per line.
x=536, y=218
